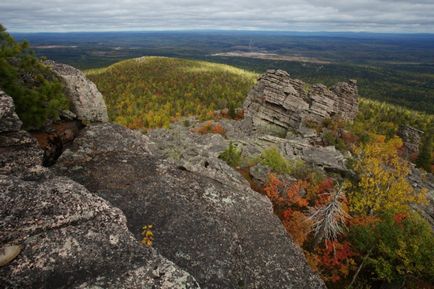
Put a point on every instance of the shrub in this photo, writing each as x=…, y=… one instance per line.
x=210, y=127
x=37, y=93
x=232, y=156
x=272, y=158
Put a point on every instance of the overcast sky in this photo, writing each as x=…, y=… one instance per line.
x=291, y=15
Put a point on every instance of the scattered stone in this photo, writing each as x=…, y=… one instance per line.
x=260, y=173
x=8, y=253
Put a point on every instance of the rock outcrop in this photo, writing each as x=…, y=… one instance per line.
x=87, y=102
x=225, y=235
x=412, y=138
x=56, y=234
x=9, y=120
x=281, y=103
x=18, y=150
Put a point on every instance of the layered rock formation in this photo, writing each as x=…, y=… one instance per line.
x=87, y=102
x=285, y=103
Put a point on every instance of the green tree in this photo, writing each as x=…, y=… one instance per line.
x=37, y=93
x=396, y=248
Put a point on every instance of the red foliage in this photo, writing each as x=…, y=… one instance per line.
x=293, y=194
x=335, y=260
x=399, y=217
x=349, y=138
x=322, y=191
x=210, y=127
x=288, y=205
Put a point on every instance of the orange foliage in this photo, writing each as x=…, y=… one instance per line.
x=272, y=190
x=321, y=191
x=363, y=220
x=218, y=128
x=297, y=225
x=288, y=204
x=210, y=127
x=293, y=194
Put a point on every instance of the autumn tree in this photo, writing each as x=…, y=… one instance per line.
x=382, y=179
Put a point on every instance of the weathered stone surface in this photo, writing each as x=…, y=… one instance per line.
x=280, y=101
x=18, y=150
x=412, y=138
x=18, y=153
x=423, y=180
x=66, y=237
x=71, y=238
x=9, y=120
x=87, y=102
x=226, y=237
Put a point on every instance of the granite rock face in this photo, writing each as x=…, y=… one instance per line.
x=73, y=239
x=284, y=103
x=55, y=234
x=87, y=102
x=225, y=235
x=9, y=120
x=18, y=150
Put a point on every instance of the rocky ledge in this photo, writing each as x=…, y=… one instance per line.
x=57, y=234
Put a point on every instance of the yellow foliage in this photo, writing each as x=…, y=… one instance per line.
x=382, y=183
x=148, y=235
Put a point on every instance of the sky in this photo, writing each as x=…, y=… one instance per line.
x=288, y=15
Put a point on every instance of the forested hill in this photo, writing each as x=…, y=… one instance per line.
x=153, y=91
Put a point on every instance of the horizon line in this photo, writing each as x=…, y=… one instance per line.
x=221, y=30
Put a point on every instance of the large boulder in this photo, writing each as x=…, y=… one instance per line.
x=73, y=239
x=279, y=102
x=87, y=102
x=55, y=234
x=226, y=236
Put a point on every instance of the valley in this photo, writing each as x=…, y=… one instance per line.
x=396, y=68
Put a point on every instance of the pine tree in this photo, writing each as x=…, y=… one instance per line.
x=37, y=93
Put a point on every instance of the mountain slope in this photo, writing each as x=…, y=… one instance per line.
x=150, y=91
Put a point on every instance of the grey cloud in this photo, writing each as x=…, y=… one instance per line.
x=292, y=15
